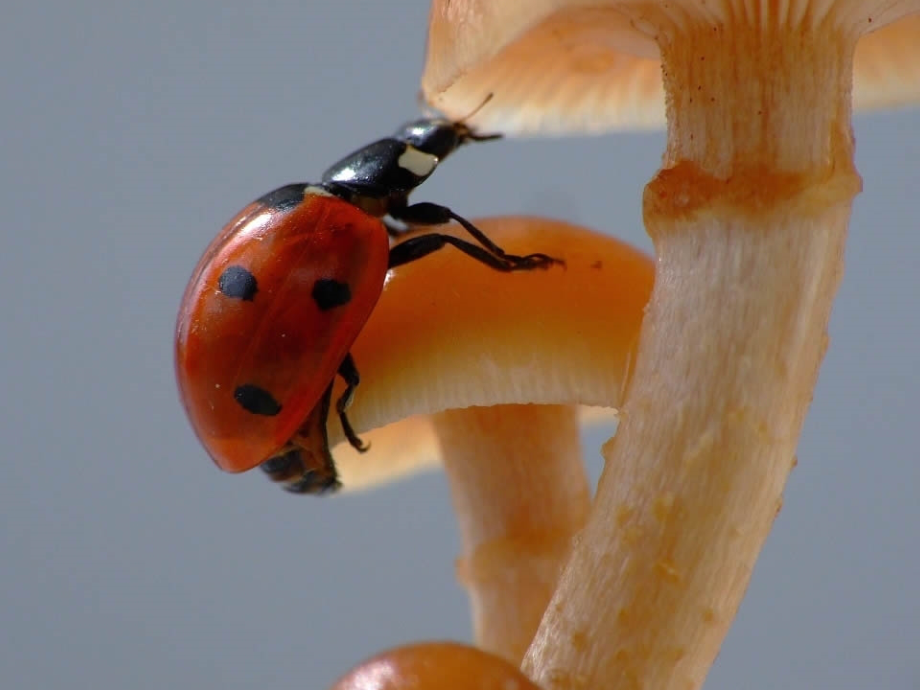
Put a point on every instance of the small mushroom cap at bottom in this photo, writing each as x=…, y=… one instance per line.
x=449, y=333
x=435, y=666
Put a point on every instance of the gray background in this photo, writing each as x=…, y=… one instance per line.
x=130, y=133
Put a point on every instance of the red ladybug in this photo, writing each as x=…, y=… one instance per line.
x=280, y=295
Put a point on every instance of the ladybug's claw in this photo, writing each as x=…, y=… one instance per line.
x=353, y=439
x=532, y=261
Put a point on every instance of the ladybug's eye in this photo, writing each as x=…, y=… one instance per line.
x=436, y=137
x=414, y=132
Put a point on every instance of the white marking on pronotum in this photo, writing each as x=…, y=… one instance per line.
x=417, y=162
x=318, y=191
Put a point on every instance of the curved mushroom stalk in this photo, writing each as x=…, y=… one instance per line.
x=749, y=217
x=521, y=494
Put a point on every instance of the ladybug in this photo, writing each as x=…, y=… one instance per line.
x=280, y=295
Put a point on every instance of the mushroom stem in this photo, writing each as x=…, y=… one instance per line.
x=749, y=217
x=520, y=494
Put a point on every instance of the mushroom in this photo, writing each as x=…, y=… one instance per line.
x=567, y=67
x=434, y=666
x=485, y=371
x=749, y=216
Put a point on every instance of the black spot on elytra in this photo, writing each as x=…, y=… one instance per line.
x=284, y=198
x=256, y=400
x=329, y=294
x=238, y=283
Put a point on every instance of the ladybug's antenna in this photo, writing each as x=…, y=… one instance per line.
x=460, y=125
x=472, y=136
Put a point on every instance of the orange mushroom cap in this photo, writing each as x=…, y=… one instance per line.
x=449, y=333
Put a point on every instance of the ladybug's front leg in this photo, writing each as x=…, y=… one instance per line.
x=349, y=372
x=491, y=254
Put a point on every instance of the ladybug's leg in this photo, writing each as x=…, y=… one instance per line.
x=349, y=372
x=426, y=213
x=422, y=245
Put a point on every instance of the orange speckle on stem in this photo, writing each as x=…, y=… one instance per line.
x=663, y=506
x=668, y=570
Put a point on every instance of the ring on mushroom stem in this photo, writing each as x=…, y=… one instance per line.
x=276, y=301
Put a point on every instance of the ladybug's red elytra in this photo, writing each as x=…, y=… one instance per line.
x=281, y=294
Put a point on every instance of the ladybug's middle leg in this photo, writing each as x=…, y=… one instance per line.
x=426, y=213
x=423, y=245
x=349, y=372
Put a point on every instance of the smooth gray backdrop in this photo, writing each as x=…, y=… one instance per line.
x=131, y=132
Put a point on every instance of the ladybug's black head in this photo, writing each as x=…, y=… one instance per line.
x=439, y=137
x=380, y=176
